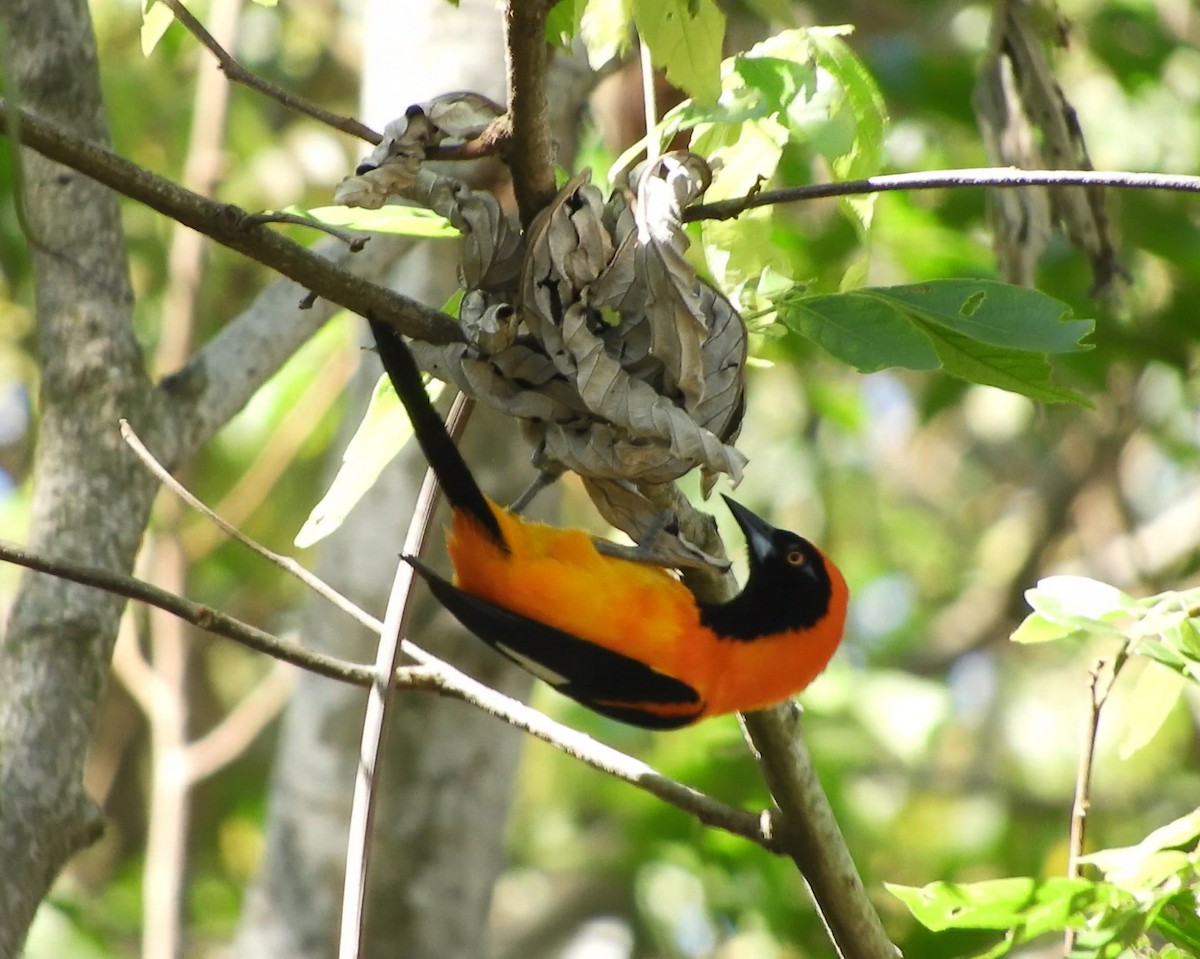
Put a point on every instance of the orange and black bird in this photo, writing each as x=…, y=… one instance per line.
x=625, y=639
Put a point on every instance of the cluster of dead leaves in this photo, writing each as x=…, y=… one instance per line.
x=592, y=328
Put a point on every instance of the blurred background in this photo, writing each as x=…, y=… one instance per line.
x=947, y=752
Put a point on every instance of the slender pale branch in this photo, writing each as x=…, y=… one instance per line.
x=286, y=563
x=940, y=180
x=380, y=699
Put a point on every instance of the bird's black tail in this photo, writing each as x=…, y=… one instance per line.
x=444, y=458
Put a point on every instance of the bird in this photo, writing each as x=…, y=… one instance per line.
x=625, y=639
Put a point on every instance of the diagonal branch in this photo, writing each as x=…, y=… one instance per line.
x=431, y=675
x=233, y=227
x=239, y=74
x=943, y=179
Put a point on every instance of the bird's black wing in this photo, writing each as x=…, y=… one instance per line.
x=607, y=682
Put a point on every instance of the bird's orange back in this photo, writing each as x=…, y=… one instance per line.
x=556, y=576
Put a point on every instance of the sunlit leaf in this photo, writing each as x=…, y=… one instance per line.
x=1079, y=596
x=864, y=155
x=1036, y=628
x=1154, y=696
x=402, y=220
x=605, y=30
x=1043, y=904
x=384, y=429
x=1120, y=864
x=685, y=38
x=156, y=18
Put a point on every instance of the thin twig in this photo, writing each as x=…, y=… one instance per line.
x=313, y=582
x=944, y=179
x=379, y=702
x=760, y=828
x=1099, y=688
x=431, y=675
x=199, y=615
x=356, y=241
x=239, y=74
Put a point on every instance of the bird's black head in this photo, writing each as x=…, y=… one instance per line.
x=789, y=586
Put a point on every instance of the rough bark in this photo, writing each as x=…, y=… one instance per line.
x=92, y=499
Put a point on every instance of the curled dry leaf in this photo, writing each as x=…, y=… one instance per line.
x=624, y=317
x=396, y=169
x=594, y=329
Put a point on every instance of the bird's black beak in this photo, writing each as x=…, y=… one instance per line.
x=759, y=533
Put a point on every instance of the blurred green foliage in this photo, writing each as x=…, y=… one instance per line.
x=949, y=754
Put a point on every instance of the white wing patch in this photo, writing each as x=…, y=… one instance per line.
x=540, y=670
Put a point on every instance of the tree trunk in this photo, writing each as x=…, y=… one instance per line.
x=91, y=499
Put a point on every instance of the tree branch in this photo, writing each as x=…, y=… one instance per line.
x=233, y=227
x=943, y=179
x=531, y=151
x=809, y=834
x=239, y=74
x=431, y=675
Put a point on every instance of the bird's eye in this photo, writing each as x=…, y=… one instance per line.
x=796, y=558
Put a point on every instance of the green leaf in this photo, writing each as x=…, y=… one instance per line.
x=1014, y=370
x=966, y=328
x=605, y=28
x=564, y=21
x=1169, y=657
x=994, y=313
x=866, y=333
x=384, y=429
x=865, y=112
x=1039, y=905
x=1074, y=607
x=1080, y=596
x=777, y=80
x=1125, y=864
x=403, y=220
x=156, y=18
x=1155, y=694
x=685, y=38
x=1036, y=628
